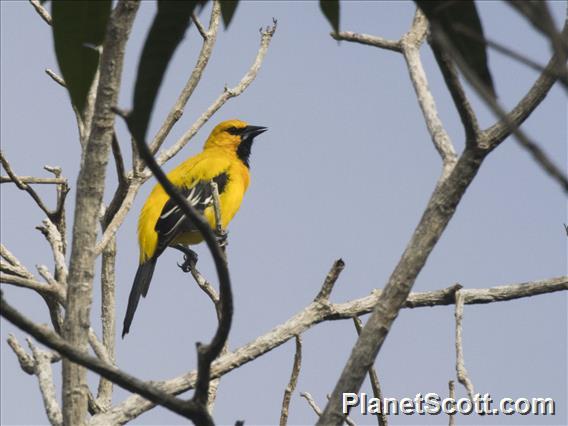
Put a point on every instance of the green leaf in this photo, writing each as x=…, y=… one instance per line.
x=166, y=33
x=78, y=29
x=228, y=8
x=460, y=23
x=330, y=9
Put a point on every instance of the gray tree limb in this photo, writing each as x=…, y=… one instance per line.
x=90, y=185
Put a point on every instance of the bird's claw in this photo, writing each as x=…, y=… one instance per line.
x=223, y=238
x=189, y=262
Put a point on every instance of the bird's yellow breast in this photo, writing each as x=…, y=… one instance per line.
x=204, y=166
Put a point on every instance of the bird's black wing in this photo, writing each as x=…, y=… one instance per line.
x=172, y=220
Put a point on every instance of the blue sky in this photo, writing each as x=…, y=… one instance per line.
x=345, y=170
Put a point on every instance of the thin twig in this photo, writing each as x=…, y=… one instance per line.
x=18, y=267
x=108, y=318
x=369, y=40
x=452, y=417
x=199, y=26
x=23, y=186
x=42, y=369
x=52, y=235
x=41, y=11
x=292, y=383
x=463, y=376
x=308, y=397
x=410, y=43
x=26, y=361
x=330, y=280
x=382, y=419
x=59, y=80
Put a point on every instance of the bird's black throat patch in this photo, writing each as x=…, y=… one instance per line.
x=243, y=151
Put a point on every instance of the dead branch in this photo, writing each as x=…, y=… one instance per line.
x=292, y=383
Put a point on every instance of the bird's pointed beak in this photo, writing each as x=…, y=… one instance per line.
x=250, y=132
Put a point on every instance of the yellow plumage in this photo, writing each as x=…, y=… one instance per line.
x=204, y=166
x=225, y=160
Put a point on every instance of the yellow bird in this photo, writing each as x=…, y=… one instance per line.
x=225, y=161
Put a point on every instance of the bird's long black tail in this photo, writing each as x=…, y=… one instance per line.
x=139, y=288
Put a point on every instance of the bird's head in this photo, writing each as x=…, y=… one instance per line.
x=234, y=135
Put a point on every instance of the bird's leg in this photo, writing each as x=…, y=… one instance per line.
x=222, y=237
x=189, y=258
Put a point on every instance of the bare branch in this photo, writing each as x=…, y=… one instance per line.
x=452, y=421
x=108, y=317
x=41, y=11
x=330, y=280
x=26, y=361
x=369, y=40
x=266, y=37
x=410, y=44
x=59, y=80
x=176, y=112
x=22, y=186
x=42, y=369
x=315, y=313
x=199, y=25
x=90, y=188
x=16, y=266
x=308, y=397
x=463, y=376
x=26, y=283
x=34, y=180
x=292, y=383
x=53, y=236
x=375, y=384
x=149, y=391
x=119, y=217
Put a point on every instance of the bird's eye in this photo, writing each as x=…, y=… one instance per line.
x=233, y=130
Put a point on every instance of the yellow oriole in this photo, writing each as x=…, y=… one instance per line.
x=224, y=160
